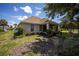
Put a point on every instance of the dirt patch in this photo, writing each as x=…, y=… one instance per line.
x=21, y=50
x=38, y=47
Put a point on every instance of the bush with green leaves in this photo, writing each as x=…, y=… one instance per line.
x=46, y=33
x=51, y=33
x=18, y=31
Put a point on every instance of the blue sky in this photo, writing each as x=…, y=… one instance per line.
x=16, y=12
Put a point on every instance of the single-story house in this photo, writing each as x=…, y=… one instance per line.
x=35, y=24
x=5, y=28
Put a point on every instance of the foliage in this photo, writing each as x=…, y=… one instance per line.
x=6, y=42
x=30, y=33
x=71, y=51
x=3, y=23
x=66, y=24
x=55, y=8
x=49, y=33
x=18, y=31
x=15, y=25
x=71, y=9
x=10, y=28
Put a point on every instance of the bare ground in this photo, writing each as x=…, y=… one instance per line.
x=37, y=47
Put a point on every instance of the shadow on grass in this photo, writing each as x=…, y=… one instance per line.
x=45, y=47
x=42, y=47
x=48, y=47
x=74, y=51
x=73, y=39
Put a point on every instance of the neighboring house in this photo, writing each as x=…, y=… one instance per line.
x=5, y=28
x=34, y=24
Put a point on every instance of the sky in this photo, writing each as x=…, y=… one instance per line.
x=14, y=13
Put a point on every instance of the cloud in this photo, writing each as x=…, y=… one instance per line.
x=12, y=22
x=38, y=13
x=37, y=8
x=15, y=9
x=21, y=18
x=27, y=9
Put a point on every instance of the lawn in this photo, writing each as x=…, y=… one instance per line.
x=66, y=31
x=7, y=42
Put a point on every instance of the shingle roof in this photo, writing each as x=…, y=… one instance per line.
x=36, y=20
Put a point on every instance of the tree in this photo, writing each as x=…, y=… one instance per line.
x=77, y=22
x=55, y=8
x=3, y=23
x=64, y=24
x=70, y=8
x=72, y=26
x=68, y=25
x=15, y=25
x=61, y=8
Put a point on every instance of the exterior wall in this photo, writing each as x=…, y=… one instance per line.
x=27, y=28
x=1, y=27
x=5, y=28
x=37, y=28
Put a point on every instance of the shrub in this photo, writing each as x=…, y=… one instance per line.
x=1, y=30
x=10, y=29
x=18, y=31
x=50, y=33
x=30, y=33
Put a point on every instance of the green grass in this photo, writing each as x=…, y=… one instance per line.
x=66, y=31
x=7, y=43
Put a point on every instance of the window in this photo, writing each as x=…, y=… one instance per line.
x=32, y=27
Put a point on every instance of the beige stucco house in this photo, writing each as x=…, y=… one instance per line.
x=35, y=24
